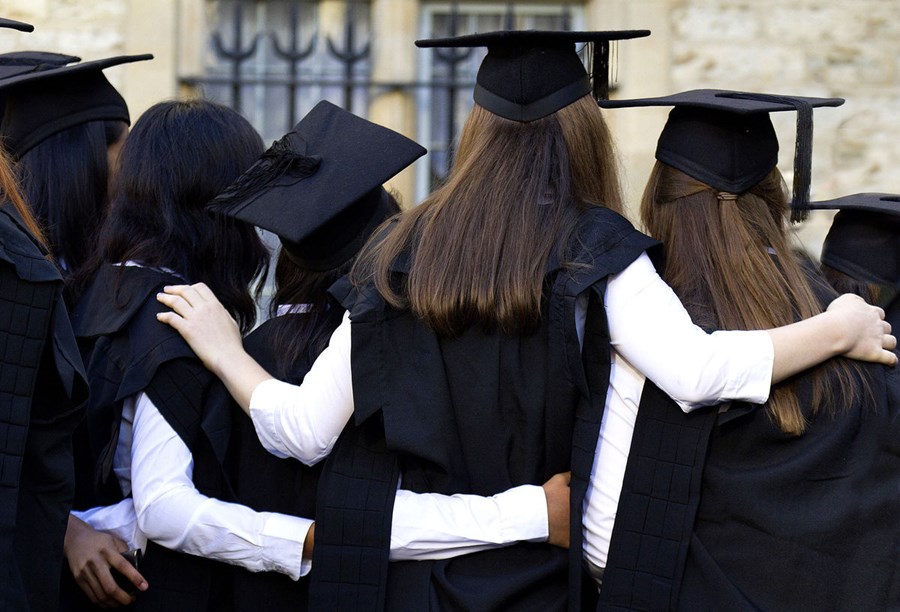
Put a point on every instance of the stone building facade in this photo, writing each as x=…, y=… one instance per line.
x=845, y=48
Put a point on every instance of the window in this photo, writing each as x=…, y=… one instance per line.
x=451, y=72
x=273, y=60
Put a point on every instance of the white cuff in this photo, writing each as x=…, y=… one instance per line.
x=523, y=514
x=750, y=373
x=282, y=544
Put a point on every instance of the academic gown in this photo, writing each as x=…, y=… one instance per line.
x=477, y=413
x=42, y=390
x=127, y=351
x=269, y=484
x=720, y=510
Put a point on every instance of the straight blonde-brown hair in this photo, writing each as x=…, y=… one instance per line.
x=479, y=245
x=11, y=192
x=729, y=259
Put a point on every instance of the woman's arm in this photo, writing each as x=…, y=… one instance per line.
x=425, y=526
x=650, y=328
x=171, y=512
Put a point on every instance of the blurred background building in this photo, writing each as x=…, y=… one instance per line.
x=274, y=59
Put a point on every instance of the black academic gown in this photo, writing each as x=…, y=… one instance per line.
x=478, y=413
x=720, y=510
x=269, y=484
x=892, y=314
x=42, y=390
x=127, y=351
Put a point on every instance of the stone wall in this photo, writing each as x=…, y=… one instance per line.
x=845, y=48
x=831, y=48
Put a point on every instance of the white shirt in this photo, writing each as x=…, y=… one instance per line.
x=153, y=463
x=651, y=333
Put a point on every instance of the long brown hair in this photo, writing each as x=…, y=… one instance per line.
x=12, y=193
x=730, y=261
x=479, y=245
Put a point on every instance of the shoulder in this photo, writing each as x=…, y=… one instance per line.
x=119, y=297
x=19, y=249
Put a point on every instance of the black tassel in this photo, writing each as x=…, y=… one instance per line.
x=280, y=159
x=802, y=149
x=599, y=69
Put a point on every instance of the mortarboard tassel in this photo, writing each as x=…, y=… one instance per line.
x=802, y=149
x=277, y=161
x=598, y=52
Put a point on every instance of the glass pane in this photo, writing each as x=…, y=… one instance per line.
x=273, y=64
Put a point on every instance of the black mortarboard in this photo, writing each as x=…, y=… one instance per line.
x=864, y=239
x=42, y=103
x=529, y=74
x=22, y=62
x=726, y=138
x=16, y=25
x=319, y=186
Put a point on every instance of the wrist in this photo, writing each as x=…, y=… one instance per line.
x=834, y=327
x=309, y=543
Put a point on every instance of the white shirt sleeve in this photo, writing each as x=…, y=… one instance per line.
x=305, y=421
x=432, y=526
x=650, y=328
x=171, y=512
x=118, y=519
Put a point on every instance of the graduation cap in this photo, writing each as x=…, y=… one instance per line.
x=41, y=103
x=529, y=74
x=864, y=239
x=726, y=138
x=16, y=25
x=319, y=187
x=22, y=62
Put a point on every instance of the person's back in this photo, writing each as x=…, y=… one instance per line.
x=801, y=485
x=145, y=382
x=465, y=348
x=41, y=395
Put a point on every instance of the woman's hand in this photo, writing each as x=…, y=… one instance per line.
x=203, y=322
x=557, y=492
x=866, y=334
x=93, y=556
x=214, y=336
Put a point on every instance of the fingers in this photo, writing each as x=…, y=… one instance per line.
x=176, y=302
x=113, y=593
x=204, y=292
x=192, y=294
x=171, y=319
x=889, y=342
x=121, y=564
x=91, y=587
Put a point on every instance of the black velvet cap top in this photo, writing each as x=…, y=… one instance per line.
x=16, y=25
x=319, y=186
x=41, y=103
x=22, y=62
x=529, y=74
x=864, y=239
x=726, y=138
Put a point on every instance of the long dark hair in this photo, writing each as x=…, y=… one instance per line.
x=65, y=179
x=304, y=336
x=479, y=244
x=729, y=260
x=180, y=155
